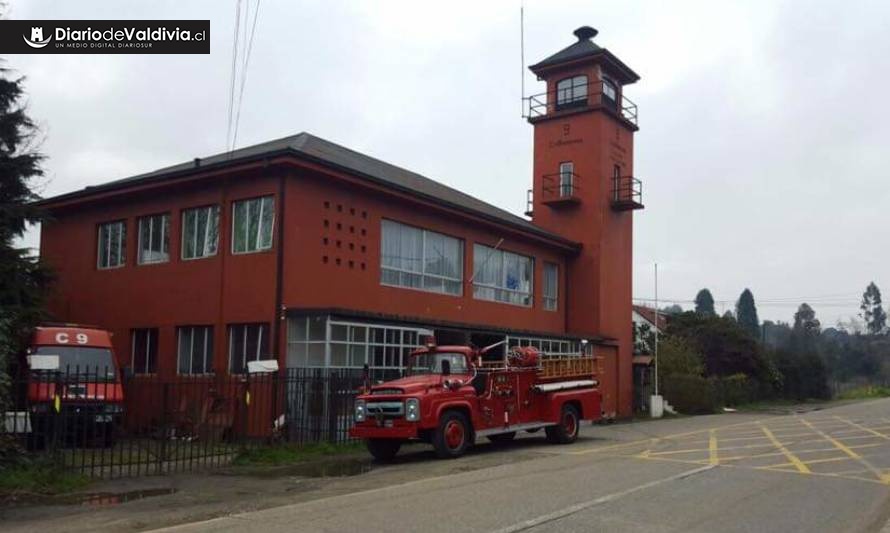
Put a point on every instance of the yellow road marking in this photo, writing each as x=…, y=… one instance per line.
x=712, y=449
x=844, y=448
x=802, y=468
x=863, y=428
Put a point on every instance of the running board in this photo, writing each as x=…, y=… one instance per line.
x=510, y=429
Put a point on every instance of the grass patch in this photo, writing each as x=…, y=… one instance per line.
x=289, y=454
x=39, y=477
x=865, y=393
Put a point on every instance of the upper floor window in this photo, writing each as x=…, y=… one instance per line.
x=502, y=276
x=112, y=250
x=200, y=232
x=195, y=349
x=154, y=239
x=252, y=222
x=571, y=92
x=247, y=342
x=145, y=350
x=566, y=178
x=551, y=286
x=610, y=92
x=420, y=259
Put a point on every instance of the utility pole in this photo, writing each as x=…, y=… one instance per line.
x=656, y=329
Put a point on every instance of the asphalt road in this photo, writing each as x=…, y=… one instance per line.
x=825, y=470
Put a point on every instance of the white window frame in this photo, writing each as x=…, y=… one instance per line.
x=208, y=358
x=148, y=337
x=164, y=219
x=550, y=302
x=259, y=226
x=423, y=256
x=570, y=95
x=566, y=179
x=211, y=210
x=501, y=256
x=121, y=246
x=263, y=328
x=557, y=347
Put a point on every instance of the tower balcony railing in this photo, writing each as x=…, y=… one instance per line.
x=560, y=188
x=627, y=193
x=594, y=95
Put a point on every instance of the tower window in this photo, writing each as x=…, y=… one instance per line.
x=610, y=93
x=571, y=92
x=566, y=178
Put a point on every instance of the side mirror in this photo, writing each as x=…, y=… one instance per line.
x=446, y=367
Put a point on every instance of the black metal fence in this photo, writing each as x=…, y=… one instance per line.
x=91, y=421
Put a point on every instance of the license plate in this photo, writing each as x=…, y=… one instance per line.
x=103, y=418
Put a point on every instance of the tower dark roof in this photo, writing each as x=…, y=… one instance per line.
x=586, y=48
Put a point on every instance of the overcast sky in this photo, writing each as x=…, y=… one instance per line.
x=764, y=126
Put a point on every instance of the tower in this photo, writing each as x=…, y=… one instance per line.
x=584, y=189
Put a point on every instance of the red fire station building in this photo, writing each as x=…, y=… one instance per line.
x=305, y=251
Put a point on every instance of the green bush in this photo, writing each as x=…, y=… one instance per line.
x=690, y=395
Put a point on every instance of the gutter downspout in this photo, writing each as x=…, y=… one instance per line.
x=278, y=314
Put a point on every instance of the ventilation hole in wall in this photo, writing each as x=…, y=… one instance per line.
x=324, y=259
x=337, y=261
x=352, y=264
x=364, y=214
x=364, y=248
x=351, y=246
x=339, y=208
x=327, y=205
x=327, y=223
x=324, y=241
x=339, y=243
x=351, y=229
x=351, y=210
x=363, y=266
x=339, y=226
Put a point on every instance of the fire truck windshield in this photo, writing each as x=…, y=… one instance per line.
x=431, y=363
x=81, y=359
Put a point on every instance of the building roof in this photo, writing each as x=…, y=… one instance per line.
x=648, y=315
x=310, y=147
x=586, y=48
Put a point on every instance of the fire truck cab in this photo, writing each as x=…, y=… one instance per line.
x=449, y=396
x=71, y=375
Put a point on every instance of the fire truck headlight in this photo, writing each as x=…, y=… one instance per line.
x=360, y=411
x=412, y=409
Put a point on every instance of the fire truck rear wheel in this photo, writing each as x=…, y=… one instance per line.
x=383, y=449
x=566, y=432
x=452, y=435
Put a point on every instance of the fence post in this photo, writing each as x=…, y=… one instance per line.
x=162, y=452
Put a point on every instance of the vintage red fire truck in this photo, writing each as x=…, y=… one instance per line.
x=449, y=396
x=71, y=375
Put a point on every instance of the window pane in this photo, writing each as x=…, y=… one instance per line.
x=184, y=350
x=103, y=246
x=316, y=354
x=339, y=353
x=236, y=349
x=357, y=333
x=339, y=332
x=189, y=219
x=267, y=222
x=317, y=331
x=211, y=234
x=239, y=227
x=357, y=355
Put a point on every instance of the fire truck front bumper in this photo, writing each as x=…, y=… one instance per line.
x=371, y=429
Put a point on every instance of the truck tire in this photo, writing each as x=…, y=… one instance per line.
x=566, y=431
x=502, y=437
x=452, y=435
x=383, y=449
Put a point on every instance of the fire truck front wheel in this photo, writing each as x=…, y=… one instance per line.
x=452, y=435
x=566, y=431
x=383, y=449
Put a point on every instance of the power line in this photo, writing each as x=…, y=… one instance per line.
x=233, y=75
x=256, y=12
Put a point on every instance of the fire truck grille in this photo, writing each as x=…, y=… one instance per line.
x=386, y=409
x=386, y=391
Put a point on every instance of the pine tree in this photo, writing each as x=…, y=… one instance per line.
x=805, y=321
x=23, y=279
x=872, y=311
x=746, y=313
x=704, y=303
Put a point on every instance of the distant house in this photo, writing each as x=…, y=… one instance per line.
x=646, y=315
x=644, y=325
